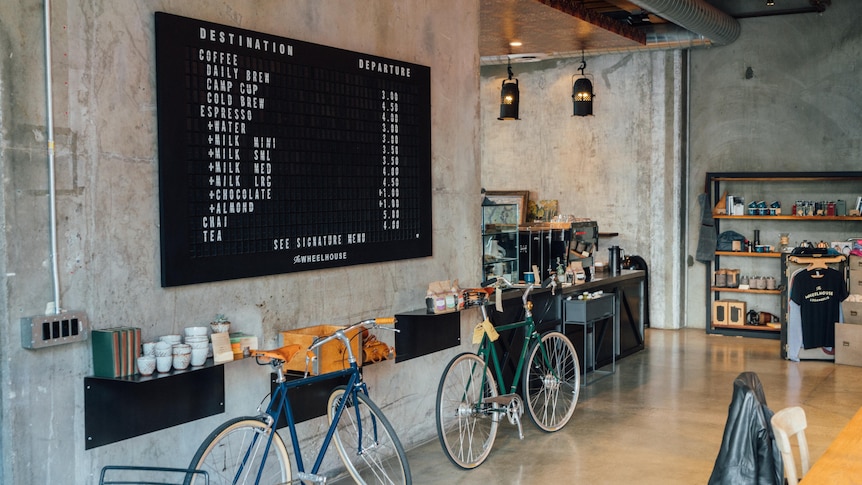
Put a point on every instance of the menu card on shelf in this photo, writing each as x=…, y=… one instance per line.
x=221, y=348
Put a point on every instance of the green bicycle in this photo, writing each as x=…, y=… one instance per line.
x=469, y=406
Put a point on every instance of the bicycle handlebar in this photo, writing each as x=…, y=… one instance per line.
x=341, y=333
x=277, y=360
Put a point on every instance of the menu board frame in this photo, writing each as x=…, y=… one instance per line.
x=278, y=155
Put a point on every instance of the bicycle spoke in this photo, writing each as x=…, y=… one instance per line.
x=233, y=454
x=366, y=442
x=552, y=383
x=466, y=426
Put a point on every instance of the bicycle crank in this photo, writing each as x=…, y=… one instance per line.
x=514, y=409
x=304, y=477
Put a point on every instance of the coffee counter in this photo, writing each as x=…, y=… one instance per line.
x=628, y=322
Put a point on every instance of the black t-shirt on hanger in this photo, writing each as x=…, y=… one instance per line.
x=819, y=293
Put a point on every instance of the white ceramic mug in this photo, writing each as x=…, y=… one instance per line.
x=146, y=364
x=199, y=357
x=163, y=363
x=171, y=339
x=162, y=349
x=181, y=361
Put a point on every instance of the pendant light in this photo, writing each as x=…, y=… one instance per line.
x=582, y=92
x=509, y=97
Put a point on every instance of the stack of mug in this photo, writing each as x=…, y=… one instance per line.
x=175, y=352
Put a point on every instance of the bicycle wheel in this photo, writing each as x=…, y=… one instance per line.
x=552, y=383
x=466, y=426
x=366, y=441
x=233, y=454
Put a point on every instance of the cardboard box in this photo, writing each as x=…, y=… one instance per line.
x=735, y=312
x=855, y=282
x=332, y=356
x=855, y=262
x=852, y=311
x=848, y=344
x=719, y=312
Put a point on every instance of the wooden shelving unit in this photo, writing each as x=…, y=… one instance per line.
x=792, y=187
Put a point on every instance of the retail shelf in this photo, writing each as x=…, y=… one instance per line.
x=724, y=289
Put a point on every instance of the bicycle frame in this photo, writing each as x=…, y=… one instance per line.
x=279, y=405
x=487, y=350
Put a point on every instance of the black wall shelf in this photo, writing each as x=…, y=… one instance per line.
x=120, y=408
x=422, y=333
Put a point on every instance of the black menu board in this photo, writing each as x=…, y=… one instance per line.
x=277, y=155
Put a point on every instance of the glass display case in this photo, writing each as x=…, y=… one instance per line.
x=500, y=241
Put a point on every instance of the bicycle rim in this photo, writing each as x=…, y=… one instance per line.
x=466, y=426
x=232, y=454
x=552, y=382
x=366, y=441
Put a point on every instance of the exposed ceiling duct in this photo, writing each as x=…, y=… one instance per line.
x=696, y=16
x=677, y=24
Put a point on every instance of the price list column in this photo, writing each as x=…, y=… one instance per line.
x=390, y=190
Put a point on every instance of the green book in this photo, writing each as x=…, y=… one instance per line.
x=115, y=351
x=106, y=352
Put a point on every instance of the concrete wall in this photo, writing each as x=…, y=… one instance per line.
x=621, y=167
x=624, y=167
x=105, y=131
x=784, y=97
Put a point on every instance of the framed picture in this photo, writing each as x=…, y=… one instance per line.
x=519, y=197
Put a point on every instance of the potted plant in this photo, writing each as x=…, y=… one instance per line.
x=221, y=324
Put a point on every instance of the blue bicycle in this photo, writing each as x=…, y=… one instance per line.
x=248, y=450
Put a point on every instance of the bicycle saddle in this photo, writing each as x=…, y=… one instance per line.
x=283, y=354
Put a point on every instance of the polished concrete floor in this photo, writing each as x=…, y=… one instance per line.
x=659, y=419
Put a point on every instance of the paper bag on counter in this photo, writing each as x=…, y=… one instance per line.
x=444, y=296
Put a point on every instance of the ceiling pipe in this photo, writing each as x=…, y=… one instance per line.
x=659, y=37
x=694, y=23
x=696, y=16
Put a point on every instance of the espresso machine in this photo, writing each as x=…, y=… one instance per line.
x=584, y=244
x=543, y=246
x=549, y=246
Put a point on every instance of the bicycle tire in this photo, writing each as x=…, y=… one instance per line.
x=465, y=431
x=551, y=388
x=221, y=454
x=380, y=457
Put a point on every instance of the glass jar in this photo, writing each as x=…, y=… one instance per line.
x=784, y=242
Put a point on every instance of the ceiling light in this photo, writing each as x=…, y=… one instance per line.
x=516, y=43
x=509, y=97
x=582, y=93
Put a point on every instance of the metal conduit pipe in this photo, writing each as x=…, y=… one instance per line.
x=52, y=191
x=697, y=16
x=658, y=37
x=698, y=24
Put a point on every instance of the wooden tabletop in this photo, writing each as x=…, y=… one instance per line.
x=842, y=462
